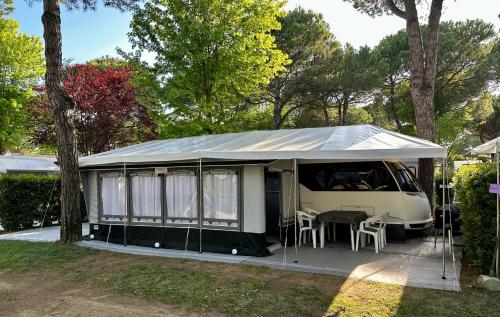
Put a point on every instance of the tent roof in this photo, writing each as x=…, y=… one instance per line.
x=490, y=147
x=357, y=142
x=27, y=164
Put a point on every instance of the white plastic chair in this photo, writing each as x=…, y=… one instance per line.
x=374, y=226
x=314, y=213
x=383, y=231
x=305, y=221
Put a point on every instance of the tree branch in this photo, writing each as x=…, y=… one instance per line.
x=431, y=45
x=395, y=10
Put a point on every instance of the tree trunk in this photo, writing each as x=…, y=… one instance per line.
x=339, y=112
x=392, y=105
x=277, y=108
x=2, y=148
x=326, y=116
x=423, y=100
x=423, y=77
x=345, y=106
x=63, y=107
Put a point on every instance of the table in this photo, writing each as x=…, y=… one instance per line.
x=350, y=217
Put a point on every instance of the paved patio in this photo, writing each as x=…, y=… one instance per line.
x=415, y=263
x=47, y=234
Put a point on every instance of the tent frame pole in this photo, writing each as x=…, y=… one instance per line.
x=200, y=204
x=126, y=205
x=443, y=214
x=498, y=216
x=295, y=202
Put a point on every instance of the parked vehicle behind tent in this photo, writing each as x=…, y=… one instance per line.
x=376, y=187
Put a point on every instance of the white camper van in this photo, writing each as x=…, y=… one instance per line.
x=376, y=187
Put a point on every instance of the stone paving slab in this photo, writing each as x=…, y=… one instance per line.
x=47, y=234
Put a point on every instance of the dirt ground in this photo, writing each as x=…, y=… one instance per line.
x=45, y=295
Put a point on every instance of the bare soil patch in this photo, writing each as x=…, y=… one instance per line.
x=44, y=294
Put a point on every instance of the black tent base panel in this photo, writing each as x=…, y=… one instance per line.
x=216, y=241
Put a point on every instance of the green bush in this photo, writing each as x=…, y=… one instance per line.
x=477, y=211
x=24, y=199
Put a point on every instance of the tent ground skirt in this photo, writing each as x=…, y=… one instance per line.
x=216, y=241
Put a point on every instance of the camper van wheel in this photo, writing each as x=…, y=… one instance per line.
x=396, y=233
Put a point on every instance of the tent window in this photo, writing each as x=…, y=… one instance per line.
x=181, y=195
x=113, y=195
x=146, y=197
x=220, y=195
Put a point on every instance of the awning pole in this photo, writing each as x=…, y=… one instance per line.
x=200, y=202
x=295, y=202
x=444, y=219
x=498, y=215
x=126, y=205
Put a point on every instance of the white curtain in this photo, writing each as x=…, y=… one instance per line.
x=220, y=195
x=181, y=195
x=146, y=196
x=113, y=195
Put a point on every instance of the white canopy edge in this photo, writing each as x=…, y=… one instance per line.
x=490, y=147
x=27, y=164
x=361, y=142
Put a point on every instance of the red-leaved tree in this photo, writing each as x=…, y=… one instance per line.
x=107, y=114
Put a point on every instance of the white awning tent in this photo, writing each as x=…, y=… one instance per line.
x=493, y=147
x=490, y=147
x=27, y=164
x=357, y=142
x=345, y=143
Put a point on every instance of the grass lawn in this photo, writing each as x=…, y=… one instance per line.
x=207, y=288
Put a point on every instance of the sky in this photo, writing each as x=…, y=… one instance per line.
x=91, y=34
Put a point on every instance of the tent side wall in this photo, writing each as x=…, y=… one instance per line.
x=254, y=212
x=248, y=238
x=89, y=184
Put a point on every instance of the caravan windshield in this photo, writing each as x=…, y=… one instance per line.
x=347, y=176
x=405, y=178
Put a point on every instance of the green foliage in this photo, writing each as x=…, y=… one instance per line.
x=495, y=59
x=377, y=7
x=306, y=38
x=490, y=127
x=6, y=7
x=345, y=79
x=478, y=211
x=25, y=198
x=21, y=68
x=464, y=75
x=210, y=56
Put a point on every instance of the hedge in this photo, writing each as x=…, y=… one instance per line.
x=24, y=200
x=477, y=211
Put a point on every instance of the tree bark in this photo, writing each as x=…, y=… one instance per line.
x=277, y=109
x=392, y=105
x=423, y=58
x=63, y=107
x=326, y=116
x=343, y=106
